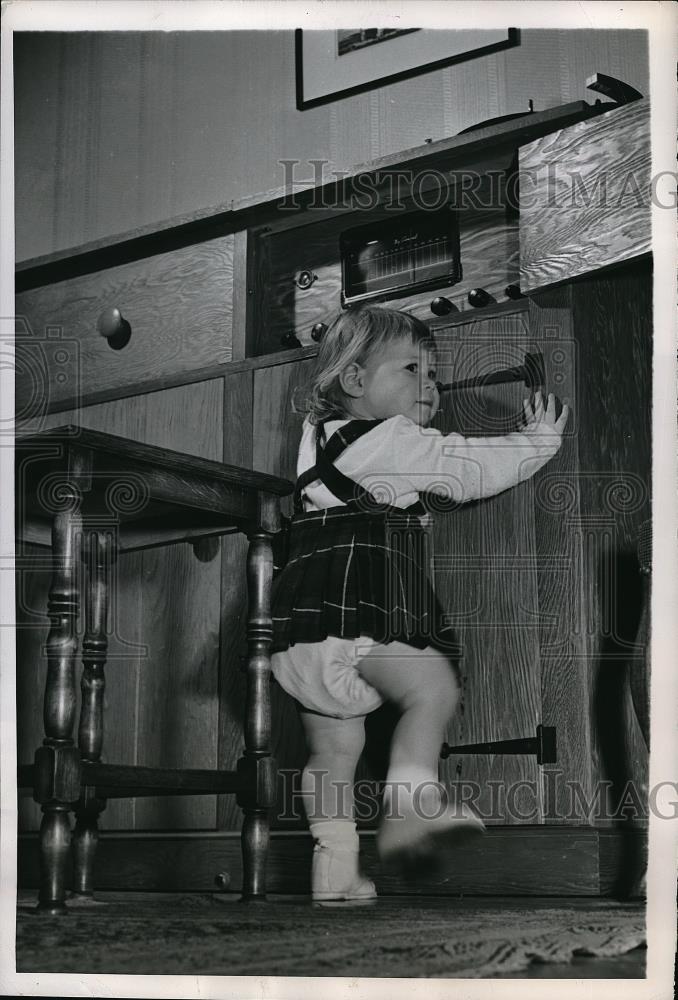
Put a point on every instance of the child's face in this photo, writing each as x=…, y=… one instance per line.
x=399, y=379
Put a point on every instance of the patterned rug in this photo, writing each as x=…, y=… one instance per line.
x=392, y=937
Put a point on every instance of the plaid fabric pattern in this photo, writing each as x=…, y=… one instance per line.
x=353, y=573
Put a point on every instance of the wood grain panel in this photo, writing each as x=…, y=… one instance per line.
x=560, y=568
x=242, y=250
x=489, y=255
x=179, y=306
x=277, y=432
x=585, y=197
x=161, y=698
x=257, y=336
x=238, y=447
x=623, y=860
x=613, y=323
x=486, y=578
x=511, y=861
x=501, y=651
x=277, y=427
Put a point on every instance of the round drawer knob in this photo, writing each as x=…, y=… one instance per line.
x=440, y=306
x=513, y=292
x=290, y=340
x=114, y=327
x=478, y=297
x=318, y=331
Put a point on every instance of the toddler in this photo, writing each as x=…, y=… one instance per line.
x=355, y=619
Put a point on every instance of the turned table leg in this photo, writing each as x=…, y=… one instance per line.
x=57, y=761
x=256, y=767
x=98, y=553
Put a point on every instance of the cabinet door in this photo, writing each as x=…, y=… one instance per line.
x=485, y=571
x=542, y=580
x=161, y=698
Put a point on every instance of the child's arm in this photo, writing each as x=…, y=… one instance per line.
x=464, y=468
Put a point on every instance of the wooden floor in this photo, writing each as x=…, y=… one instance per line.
x=628, y=966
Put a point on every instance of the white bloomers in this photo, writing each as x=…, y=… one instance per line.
x=322, y=676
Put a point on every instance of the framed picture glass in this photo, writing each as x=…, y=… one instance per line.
x=342, y=62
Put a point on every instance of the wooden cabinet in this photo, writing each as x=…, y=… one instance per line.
x=519, y=574
x=541, y=582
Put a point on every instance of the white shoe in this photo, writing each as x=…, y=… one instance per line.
x=415, y=842
x=335, y=875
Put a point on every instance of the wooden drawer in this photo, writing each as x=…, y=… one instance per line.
x=178, y=305
x=585, y=197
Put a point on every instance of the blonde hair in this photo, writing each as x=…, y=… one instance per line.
x=351, y=338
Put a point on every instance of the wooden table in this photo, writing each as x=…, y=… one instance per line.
x=91, y=495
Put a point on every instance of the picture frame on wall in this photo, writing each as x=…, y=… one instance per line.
x=343, y=62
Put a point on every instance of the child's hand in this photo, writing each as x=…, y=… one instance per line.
x=537, y=417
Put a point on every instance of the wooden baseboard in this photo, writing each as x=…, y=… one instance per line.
x=511, y=861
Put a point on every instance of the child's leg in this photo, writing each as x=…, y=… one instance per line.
x=327, y=790
x=334, y=747
x=423, y=684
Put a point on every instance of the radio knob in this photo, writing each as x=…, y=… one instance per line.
x=290, y=340
x=440, y=306
x=304, y=279
x=478, y=297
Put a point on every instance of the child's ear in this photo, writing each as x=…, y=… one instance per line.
x=351, y=380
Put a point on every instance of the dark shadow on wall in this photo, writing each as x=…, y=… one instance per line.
x=622, y=661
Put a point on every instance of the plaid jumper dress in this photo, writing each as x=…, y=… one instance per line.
x=357, y=569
